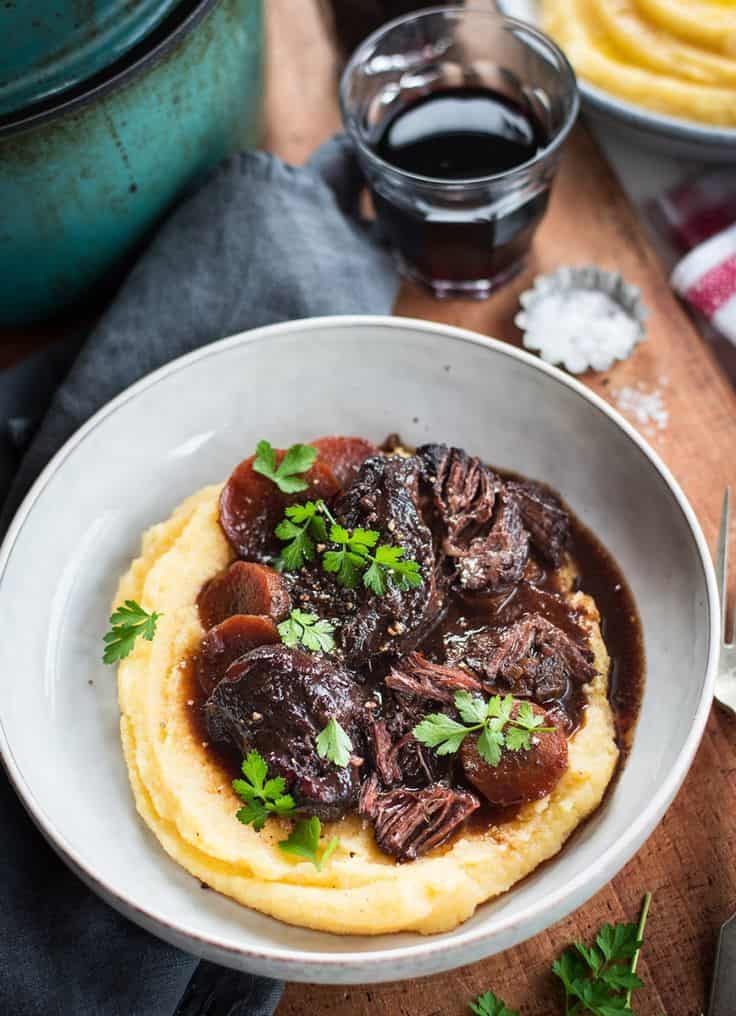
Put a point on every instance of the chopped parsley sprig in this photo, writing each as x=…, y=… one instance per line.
x=307, y=630
x=298, y=459
x=334, y=744
x=128, y=623
x=489, y=1004
x=303, y=841
x=300, y=528
x=354, y=553
x=262, y=797
x=498, y=728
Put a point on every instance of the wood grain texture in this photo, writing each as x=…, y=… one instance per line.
x=689, y=863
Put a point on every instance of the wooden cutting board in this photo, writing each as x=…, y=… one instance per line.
x=689, y=863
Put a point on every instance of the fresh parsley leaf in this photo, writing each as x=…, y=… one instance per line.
x=404, y=573
x=307, y=630
x=518, y=740
x=253, y=813
x=441, y=732
x=299, y=458
x=617, y=978
x=489, y=1004
x=262, y=797
x=128, y=622
x=471, y=707
x=599, y=978
x=489, y=746
x=570, y=967
x=255, y=770
x=303, y=841
x=591, y=956
x=345, y=564
x=302, y=525
x=334, y=744
x=527, y=718
x=619, y=941
x=499, y=710
x=375, y=579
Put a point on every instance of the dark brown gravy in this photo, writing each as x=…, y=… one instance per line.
x=599, y=577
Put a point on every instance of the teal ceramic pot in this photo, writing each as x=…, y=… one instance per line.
x=50, y=45
x=85, y=177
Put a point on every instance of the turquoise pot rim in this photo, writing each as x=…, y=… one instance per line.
x=168, y=34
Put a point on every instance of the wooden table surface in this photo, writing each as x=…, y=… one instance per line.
x=689, y=863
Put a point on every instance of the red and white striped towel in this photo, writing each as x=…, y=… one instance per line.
x=706, y=278
x=700, y=217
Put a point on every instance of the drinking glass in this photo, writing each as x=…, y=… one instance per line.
x=459, y=237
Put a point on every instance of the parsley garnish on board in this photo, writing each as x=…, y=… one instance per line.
x=597, y=979
x=128, y=623
x=355, y=552
x=492, y=718
x=308, y=630
x=488, y=1004
x=262, y=797
x=334, y=744
x=303, y=841
x=298, y=459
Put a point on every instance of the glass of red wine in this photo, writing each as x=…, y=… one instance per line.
x=458, y=116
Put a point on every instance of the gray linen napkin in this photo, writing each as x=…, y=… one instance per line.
x=261, y=242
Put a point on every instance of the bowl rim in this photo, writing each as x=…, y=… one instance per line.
x=649, y=120
x=545, y=910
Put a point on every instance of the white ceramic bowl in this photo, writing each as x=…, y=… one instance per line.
x=187, y=425
x=667, y=135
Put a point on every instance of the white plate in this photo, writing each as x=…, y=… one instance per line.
x=668, y=135
x=189, y=424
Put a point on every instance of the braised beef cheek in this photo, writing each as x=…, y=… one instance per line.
x=385, y=497
x=276, y=700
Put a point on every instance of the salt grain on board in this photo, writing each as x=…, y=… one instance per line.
x=644, y=407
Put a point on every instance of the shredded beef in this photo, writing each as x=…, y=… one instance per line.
x=416, y=675
x=532, y=658
x=408, y=823
x=483, y=532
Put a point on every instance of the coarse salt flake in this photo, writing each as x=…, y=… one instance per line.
x=644, y=407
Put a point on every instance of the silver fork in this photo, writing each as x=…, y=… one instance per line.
x=723, y=986
x=726, y=678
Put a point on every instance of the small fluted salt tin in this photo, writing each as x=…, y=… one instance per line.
x=582, y=318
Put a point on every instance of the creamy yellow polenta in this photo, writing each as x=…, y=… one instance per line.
x=674, y=56
x=184, y=797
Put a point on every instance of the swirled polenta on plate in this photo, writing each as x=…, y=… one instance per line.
x=183, y=791
x=676, y=57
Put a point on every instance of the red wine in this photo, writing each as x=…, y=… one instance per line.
x=460, y=133
x=455, y=135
